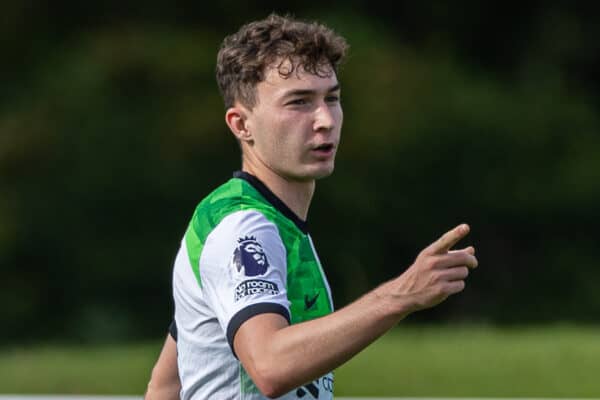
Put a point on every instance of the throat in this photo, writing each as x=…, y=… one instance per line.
x=295, y=194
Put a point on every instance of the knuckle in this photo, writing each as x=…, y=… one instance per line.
x=436, y=277
x=441, y=290
x=453, y=287
x=425, y=261
x=430, y=262
x=465, y=258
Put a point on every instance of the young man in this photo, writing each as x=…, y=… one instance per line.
x=253, y=308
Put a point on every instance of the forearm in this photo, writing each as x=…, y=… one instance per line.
x=168, y=391
x=280, y=357
x=164, y=381
x=300, y=353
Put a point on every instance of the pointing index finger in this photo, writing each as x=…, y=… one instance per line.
x=449, y=239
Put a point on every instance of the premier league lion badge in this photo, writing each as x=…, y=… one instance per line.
x=250, y=256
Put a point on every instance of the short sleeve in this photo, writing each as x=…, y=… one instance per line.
x=243, y=270
x=173, y=330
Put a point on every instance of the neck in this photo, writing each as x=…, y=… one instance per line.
x=297, y=195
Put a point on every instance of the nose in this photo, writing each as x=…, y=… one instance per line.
x=324, y=118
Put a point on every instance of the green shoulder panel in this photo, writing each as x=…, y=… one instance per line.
x=223, y=201
x=306, y=285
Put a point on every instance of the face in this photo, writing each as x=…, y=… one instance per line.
x=295, y=125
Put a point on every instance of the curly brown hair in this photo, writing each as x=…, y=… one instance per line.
x=245, y=55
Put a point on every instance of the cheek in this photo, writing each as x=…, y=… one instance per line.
x=282, y=139
x=266, y=134
x=285, y=135
x=339, y=115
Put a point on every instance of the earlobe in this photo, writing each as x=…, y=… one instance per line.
x=236, y=119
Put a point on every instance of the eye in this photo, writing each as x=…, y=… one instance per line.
x=298, y=102
x=332, y=99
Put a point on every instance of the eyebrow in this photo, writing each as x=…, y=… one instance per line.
x=303, y=92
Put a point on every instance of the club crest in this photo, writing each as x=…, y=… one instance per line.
x=249, y=257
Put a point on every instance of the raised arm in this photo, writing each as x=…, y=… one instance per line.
x=280, y=357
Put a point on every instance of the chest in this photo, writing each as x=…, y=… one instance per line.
x=307, y=286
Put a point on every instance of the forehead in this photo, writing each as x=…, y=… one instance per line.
x=278, y=82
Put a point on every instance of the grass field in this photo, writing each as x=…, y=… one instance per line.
x=466, y=361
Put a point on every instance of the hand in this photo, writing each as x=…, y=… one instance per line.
x=437, y=273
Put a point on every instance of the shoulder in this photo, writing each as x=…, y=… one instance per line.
x=244, y=231
x=233, y=196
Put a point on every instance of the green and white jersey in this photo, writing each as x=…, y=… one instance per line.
x=244, y=253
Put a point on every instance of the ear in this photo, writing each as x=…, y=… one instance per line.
x=236, y=118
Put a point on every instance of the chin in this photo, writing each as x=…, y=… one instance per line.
x=310, y=173
x=322, y=172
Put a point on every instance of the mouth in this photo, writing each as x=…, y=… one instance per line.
x=324, y=149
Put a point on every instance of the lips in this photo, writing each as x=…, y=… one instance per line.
x=323, y=151
x=325, y=147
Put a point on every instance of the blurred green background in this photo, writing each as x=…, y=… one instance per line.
x=111, y=131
